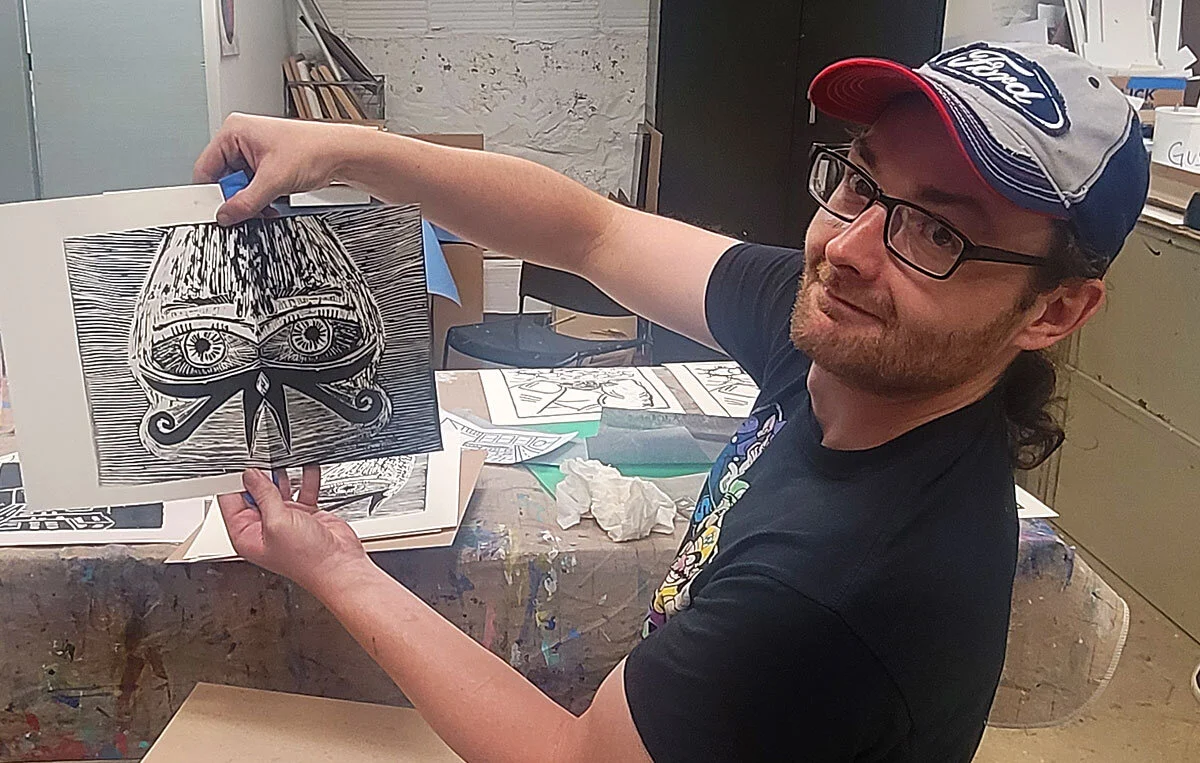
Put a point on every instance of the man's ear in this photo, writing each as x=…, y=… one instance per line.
x=1063, y=312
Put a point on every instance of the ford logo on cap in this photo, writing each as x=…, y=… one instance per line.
x=1010, y=78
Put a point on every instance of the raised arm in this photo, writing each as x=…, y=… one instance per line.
x=652, y=265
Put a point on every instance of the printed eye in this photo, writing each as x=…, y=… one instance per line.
x=311, y=336
x=313, y=339
x=204, y=348
x=188, y=351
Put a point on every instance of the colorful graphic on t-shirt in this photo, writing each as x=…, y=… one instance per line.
x=721, y=491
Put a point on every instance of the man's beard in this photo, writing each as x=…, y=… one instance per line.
x=890, y=357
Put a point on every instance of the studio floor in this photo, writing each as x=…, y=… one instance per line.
x=1148, y=714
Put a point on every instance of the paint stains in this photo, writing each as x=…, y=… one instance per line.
x=71, y=701
x=489, y=626
x=514, y=655
x=64, y=650
x=460, y=583
x=482, y=544
x=64, y=749
x=33, y=723
x=550, y=652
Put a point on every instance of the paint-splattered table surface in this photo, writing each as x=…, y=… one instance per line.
x=101, y=645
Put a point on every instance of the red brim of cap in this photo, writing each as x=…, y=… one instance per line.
x=859, y=90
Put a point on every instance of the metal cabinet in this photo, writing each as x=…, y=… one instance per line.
x=1127, y=481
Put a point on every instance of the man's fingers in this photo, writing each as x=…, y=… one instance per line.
x=285, y=483
x=217, y=160
x=249, y=201
x=310, y=486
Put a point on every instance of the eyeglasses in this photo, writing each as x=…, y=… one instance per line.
x=916, y=237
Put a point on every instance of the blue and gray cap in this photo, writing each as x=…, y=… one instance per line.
x=1042, y=126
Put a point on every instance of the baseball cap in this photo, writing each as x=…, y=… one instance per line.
x=1041, y=126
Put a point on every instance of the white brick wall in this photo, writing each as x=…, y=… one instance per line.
x=562, y=82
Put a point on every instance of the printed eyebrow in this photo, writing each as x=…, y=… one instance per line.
x=185, y=303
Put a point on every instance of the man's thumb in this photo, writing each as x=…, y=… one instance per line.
x=247, y=203
x=265, y=494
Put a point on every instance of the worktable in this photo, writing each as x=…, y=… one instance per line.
x=102, y=645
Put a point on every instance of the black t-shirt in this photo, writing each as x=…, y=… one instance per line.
x=828, y=605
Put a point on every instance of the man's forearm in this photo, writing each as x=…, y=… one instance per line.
x=502, y=203
x=479, y=705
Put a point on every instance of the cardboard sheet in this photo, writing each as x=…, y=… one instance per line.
x=227, y=724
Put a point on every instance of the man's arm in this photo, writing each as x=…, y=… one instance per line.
x=654, y=266
x=479, y=705
x=484, y=709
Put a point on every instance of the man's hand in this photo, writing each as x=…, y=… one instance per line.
x=290, y=538
x=283, y=155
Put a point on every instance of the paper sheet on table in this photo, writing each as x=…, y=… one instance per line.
x=212, y=544
x=517, y=396
x=1029, y=507
x=719, y=388
x=505, y=446
x=151, y=522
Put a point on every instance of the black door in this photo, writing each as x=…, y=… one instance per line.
x=732, y=106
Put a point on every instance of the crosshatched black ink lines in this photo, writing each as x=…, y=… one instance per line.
x=283, y=342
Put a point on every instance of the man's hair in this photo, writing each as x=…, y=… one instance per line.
x=1031, y=408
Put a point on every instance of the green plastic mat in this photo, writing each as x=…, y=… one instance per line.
x=550, y=476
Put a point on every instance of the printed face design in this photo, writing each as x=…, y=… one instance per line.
x=273, y=312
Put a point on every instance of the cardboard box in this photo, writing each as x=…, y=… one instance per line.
x=227, y=724
x=466, y=265
x=1155, y=91
x=1172, y=187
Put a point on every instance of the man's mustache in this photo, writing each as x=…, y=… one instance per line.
x=841, y=285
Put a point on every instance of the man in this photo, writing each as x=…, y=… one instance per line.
x=843, y=590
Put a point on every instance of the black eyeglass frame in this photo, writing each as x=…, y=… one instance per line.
x=970, y=251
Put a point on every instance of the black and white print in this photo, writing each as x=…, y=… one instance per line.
x=505, y=446
x=380, y=498
x=374, y=488
x=25, y=524
x=547, y=395
x=719, y=388
x=270, y=344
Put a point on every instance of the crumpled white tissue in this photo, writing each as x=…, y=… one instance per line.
x=627, y=508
